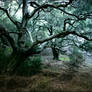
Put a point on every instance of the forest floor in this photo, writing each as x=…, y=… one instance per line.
x=48, y=81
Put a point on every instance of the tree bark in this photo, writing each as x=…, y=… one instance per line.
x=55, y=54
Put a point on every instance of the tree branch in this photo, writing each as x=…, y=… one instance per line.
x=80, y=17
x=4, y=33
x=59, y=35
x=11, y=41
x=50, y=5
x=5, y=10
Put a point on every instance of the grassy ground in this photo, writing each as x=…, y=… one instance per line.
x=64, y=58
x=47, y=81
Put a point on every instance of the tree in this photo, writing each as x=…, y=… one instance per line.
x=20, y=52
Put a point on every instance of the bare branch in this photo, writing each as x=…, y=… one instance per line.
x=51, y=5
x=9, y=38
x=5, y=10
x=59, y=35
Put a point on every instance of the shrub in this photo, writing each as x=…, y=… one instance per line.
x=4, y=53
x=31, y=66
x=76, y=57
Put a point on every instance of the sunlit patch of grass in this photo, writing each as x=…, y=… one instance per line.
x=64, y=58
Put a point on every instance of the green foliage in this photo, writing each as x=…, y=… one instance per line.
x=36, y=49
x=31, y=66
x=4, y=53
x=87, y=46
x=76, y=57
x=2, y=61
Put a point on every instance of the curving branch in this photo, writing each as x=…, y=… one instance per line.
x=6, y=11
x=59, y=35
x=10, y=40
x=43, y=6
